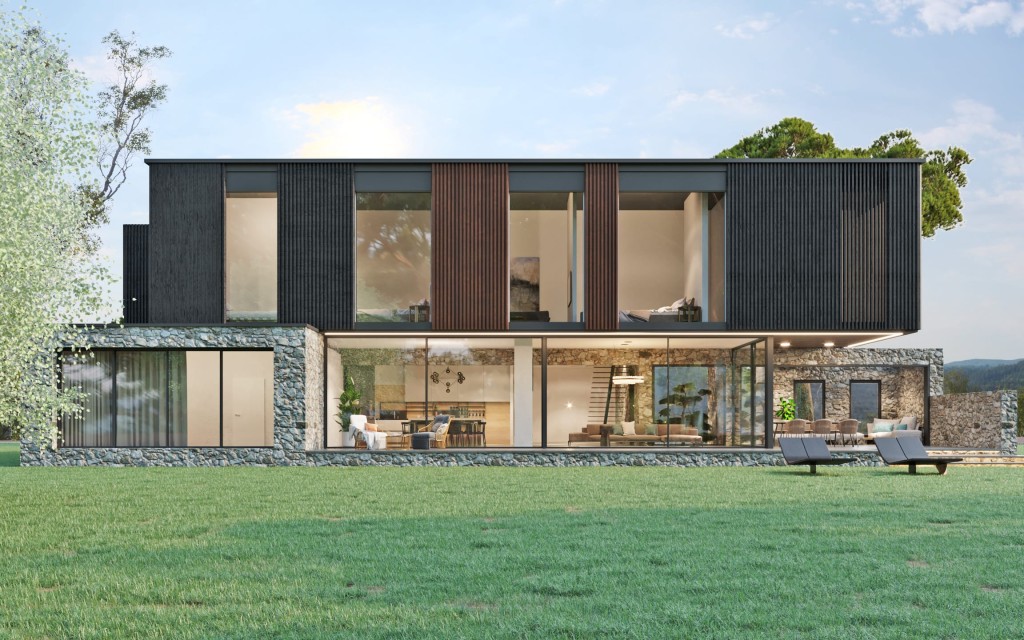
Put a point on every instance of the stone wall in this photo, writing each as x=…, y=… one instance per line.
x=900, y=371
x=982, y=420
x=298, y=397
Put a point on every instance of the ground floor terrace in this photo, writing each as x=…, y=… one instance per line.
x=280, y=395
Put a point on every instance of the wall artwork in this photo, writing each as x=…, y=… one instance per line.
x=525, y=284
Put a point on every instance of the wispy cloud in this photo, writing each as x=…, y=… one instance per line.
x=728, y=99
x=361, y=128
x=977, y=127
x=593, y=89
x=747, y=29
x=943, y=16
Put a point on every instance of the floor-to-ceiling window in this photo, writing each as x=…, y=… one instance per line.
x=170, y=398
x=250, y=244
x=392, y=257
x=546, y=257
x=865, y=401
x=809, y=399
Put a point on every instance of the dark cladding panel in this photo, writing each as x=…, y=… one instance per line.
x=186, y=243
x=823, y=246
x=315, y=226
x=600, y=247
x=469, y=230
x=135, y=284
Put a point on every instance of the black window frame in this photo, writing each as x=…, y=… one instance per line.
x=878, y=395
x=824, y=396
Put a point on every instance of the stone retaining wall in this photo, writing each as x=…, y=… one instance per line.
x=982, y=420
x=298, y=397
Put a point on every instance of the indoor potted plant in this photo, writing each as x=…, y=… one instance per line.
x=348, y=403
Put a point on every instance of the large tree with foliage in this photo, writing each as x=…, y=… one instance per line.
x=942, y=175
x=48, y=276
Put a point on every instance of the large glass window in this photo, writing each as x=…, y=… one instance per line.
x=170, y=399
x=393, y=257
x=671, y=257
x=809, y=399
x=250, y=247
x=865, y=401
x=546, y=257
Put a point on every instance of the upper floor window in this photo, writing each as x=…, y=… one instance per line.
x=250, y=245
x=546, y=257
x=392, y=257
x=671, y=256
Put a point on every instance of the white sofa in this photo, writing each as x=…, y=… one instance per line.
x=887, y=428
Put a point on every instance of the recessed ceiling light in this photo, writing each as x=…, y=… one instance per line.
x=830, y=344
x=784, y=345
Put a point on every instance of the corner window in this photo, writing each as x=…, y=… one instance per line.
x=671, y=257
x=250, y=246
x=865, y=401
x=546, y=257
x=392, y=257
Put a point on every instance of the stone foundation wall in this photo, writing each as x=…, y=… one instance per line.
x=298, y=397
x=983, y=420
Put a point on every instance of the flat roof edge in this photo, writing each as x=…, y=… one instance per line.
x=537, y=161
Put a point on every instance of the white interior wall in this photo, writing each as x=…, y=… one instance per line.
x=334, y=386
x=716, y=262
x=250, y=249
x=568, y=398
x=544, y=234
x=202, y=388
x=691, y=246
x=652, y=259
x=248, y=398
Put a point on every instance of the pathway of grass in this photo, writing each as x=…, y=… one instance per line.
x=511, y=553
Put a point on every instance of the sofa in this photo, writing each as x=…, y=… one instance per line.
x=905, y=427
x=655, y=434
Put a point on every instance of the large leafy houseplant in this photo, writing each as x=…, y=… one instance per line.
x=685, y=396
x=348, y=403
x=786, y=409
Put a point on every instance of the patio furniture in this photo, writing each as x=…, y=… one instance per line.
x=910, y=451
x=795, y=427
x=823, y=429
x=849, y=431
x=808, y=451
x=375, y=440
x=892, y=428
x=421, y=440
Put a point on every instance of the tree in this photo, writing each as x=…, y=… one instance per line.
x=48, y=278
x=942, y=175
x=956, y=381
x=121, y=109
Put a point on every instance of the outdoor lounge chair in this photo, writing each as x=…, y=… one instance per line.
x=911, y=452
x=809, y=451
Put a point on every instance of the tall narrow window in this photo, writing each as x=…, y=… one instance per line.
x=809, y=399
x=865, y=401
x=92, y=376
x=546, y=257
x=392, y=257
x=250, y=246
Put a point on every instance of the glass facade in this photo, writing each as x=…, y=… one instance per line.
x=546, y=257
x=137, y=398
x=393, y=257
x=671, y=257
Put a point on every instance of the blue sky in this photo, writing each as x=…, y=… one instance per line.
x=568, y=78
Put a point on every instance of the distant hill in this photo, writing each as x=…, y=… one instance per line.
x=980, y=362
x=987, y=377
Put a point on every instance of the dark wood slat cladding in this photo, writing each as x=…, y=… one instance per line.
x=135, y=284
x=469, y=228
x=186, y=243
x=600, y=247
x=315, y=255
x=823, y=246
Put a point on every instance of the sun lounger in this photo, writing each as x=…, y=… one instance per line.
x=808, y=451
x=910, y=451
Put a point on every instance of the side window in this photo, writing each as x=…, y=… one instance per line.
x=250, y=245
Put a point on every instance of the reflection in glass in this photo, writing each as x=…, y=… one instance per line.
x=809, y=399
x=250, y=257
x=865, y=401
x=91, y=375
x=393, y=257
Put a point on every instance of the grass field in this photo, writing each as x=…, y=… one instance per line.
x=511, y=553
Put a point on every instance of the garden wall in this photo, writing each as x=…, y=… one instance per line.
x=982, y=420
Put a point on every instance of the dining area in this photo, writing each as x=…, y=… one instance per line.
x=462, y=432
x=841, y=432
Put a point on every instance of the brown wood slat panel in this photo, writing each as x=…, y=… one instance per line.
x=186, y=243
x=315, y=228
x=469, y=230
x=600, y=247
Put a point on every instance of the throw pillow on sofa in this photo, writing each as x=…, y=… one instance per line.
x=901, y=427
x=629, y=428
x=883, y=427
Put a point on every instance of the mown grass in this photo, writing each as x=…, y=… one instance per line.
x=511, y=553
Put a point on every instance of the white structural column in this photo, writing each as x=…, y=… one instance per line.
x=522, y=393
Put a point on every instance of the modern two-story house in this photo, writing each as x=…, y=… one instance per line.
x=672, y=304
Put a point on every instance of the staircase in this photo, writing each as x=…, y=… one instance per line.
x=607, y=401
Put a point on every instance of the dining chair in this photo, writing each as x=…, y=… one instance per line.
x=823, y=428
x=849, y=431
x=796, y=427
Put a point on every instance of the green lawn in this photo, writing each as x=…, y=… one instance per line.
x=511, y=553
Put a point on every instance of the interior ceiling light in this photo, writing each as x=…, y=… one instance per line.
x=785, y=344
x=623, y=374
x=830, y=344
